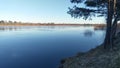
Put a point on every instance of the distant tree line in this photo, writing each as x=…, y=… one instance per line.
x=4, y=22
x=8, y=22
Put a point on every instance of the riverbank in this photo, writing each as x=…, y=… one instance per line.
x=95, y=58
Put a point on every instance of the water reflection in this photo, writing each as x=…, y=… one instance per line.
x=44, y=28
x=44, y=46
x=88, y=33
x=99, y=27
x=9, y=28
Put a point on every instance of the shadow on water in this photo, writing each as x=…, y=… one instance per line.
x=88, y=33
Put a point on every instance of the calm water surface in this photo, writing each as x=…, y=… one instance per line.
x=44, y=46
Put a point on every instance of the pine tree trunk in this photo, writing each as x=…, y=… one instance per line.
x=114, y=29
x=108, y=36
x=114, y=25
x=107, y=41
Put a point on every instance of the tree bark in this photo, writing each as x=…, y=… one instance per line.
x=108, y=36
x=114, y=29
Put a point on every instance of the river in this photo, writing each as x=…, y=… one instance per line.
x=44, y=46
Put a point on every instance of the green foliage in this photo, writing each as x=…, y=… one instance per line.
x=89, y=8
x=90, y=3
x=76, y=1
x=85, y=11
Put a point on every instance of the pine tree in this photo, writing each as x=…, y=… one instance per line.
x=110, y=9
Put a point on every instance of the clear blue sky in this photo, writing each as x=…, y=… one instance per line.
x=39, y=11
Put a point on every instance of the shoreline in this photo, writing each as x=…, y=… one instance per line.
x=95, y=58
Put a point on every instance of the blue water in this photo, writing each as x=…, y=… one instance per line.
x=44, y=46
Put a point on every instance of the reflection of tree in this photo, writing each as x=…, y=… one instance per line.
x=99, y=28
x=88, y=33
x=2, y=28
x=10, y=28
